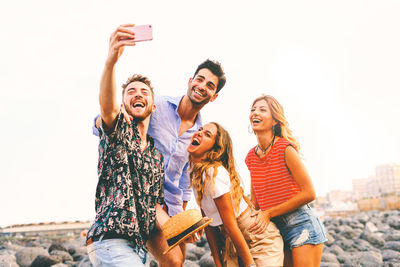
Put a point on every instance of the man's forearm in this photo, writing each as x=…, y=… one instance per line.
x=108, y=95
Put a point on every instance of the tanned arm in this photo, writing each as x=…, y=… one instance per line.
x=108, y=93
x=306, y=194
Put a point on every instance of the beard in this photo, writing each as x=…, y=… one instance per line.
x=141, y=117
x=195, y=102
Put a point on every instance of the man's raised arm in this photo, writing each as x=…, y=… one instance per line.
x=108, y=92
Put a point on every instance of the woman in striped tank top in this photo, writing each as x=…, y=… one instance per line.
x=281, y=187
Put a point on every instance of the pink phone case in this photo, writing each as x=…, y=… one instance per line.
x=143, y=33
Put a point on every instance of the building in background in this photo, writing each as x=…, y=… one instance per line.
x=366, y=188
x=388, y=178
x=381, y=191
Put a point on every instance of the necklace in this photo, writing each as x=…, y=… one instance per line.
x=264, y=151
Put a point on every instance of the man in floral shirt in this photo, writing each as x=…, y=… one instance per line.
x=130, y=169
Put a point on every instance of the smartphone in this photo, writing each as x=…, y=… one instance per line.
x=142, y=33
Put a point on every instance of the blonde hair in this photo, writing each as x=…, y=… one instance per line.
x=282, y=127
x=220, y=154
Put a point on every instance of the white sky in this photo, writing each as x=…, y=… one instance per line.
x=333, y=65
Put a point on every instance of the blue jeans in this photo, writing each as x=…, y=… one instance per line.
x=115, y=252
x=300, y=227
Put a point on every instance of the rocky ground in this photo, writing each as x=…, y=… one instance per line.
x=365, y=239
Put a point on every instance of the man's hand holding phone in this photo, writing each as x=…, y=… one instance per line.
x=127, y=35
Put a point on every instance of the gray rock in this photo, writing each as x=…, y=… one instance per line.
x=78, y=257
x=63, y=254
x=345, y=244
x=394, y=221
x=189, y=263
x=329, y=257
x=331, y=239
x=206, y=260
x=357, y=225
x=335, y=249
x=350, y=233
x=57, y=247
x=393, y=245
x=191, y=256
x=7, y=252
x=362, y=218
x=335, y=229
x=392, y=235
x=329, y=264
x=362, y=245
x=8, y=260
x=390, y=264
x=46, y=261
x=71, y=263
x=191, y=248
x=370, y=227
x=389, y=255
x=364, y=258
x=12, y=247
x=374, y=239
x=344, y=258
x=25, y=256
x=85, y=262
x=202, y=242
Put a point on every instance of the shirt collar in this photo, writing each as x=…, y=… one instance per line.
x=175, y=102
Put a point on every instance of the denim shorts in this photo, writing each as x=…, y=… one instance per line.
x=300, y=227
x=115, y=252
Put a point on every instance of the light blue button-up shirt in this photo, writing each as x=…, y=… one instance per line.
x=164, y=128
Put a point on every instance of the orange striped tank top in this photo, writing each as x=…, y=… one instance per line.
x=271, y=180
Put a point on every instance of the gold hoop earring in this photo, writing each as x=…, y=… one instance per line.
x=250, y=129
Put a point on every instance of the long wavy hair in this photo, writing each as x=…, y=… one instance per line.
x=282, y=127
x=220, y=154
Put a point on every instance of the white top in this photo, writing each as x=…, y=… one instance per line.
x=222, y=186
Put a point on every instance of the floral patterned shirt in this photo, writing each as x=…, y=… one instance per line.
x=130, y=184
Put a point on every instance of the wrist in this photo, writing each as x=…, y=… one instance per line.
x=267, y=214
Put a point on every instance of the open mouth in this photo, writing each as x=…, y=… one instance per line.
x=138, y=105
x=197, y=92
x=195, y=142
x=255, y=121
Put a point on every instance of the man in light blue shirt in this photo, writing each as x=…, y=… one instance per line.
x=164, y=129
x=172, y=125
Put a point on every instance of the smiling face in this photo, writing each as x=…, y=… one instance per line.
x=202, y=141
x=138, y=100
x=261, y=117
x=202, y=87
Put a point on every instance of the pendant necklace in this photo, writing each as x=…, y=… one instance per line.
x=264, y=151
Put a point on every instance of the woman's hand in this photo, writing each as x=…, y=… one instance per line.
x=262, y=220
x=128, y=118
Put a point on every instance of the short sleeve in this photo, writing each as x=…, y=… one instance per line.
x=222, y=182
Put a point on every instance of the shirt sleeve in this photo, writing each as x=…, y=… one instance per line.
x=95, y=131
x=184, y=184
x=120, y=130
x=222, y=183
x=246, y=160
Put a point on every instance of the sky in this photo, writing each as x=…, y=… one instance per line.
x=333, y=65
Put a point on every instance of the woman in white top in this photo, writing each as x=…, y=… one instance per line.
x=216, y=185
